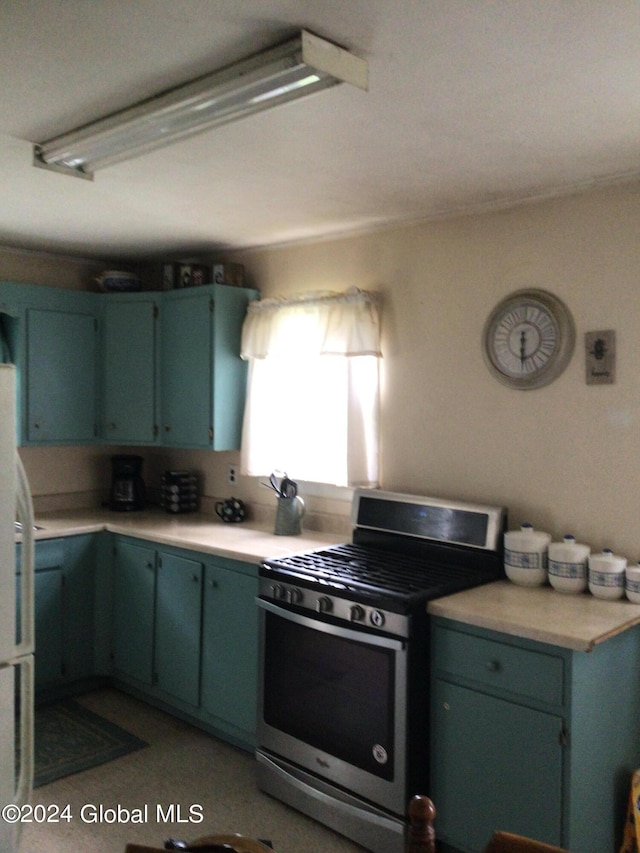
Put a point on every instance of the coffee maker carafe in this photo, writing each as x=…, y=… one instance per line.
x=127, y=485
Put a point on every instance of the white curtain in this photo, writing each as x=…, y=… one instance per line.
x=313, y=387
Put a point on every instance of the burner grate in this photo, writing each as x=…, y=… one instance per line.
x=356, y=567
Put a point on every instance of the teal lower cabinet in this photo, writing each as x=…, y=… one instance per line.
x=532, y=738
x=184, y=634
x=156, y=620
x=78, y=607
x=49, y=667
x=134, y=579
x=177, y=627
x=230, y=648
x=64, y=612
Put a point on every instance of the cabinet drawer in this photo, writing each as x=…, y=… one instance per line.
x=48, y=553
x=526, y=672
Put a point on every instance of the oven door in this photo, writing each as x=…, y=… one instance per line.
x=333, y=701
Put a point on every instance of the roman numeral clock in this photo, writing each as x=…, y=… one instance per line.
x=528, y=339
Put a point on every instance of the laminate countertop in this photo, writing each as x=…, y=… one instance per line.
x=539, y=613
x=193, y=531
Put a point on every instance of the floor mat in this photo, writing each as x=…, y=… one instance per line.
x=69, y=738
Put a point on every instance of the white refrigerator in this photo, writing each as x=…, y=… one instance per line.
x=16, y=624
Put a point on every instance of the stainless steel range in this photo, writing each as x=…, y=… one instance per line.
x=343, y=722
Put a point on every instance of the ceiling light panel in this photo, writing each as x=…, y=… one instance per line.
x=301, y=66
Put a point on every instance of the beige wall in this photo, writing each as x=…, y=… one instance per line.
x=565, y=457
x=42, y=268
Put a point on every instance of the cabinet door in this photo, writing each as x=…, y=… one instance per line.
x=230, y=371
x=177, y=645
x=61, y=376
x=133, y=600
x=230, y=648
x=78, y=606
x=496, y=765
x=130, y=363
x=203, y=376
x=48, y=625
x=186, y=382
x=48, y=605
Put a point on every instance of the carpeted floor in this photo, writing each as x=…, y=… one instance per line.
x=184, y=784
x=68, y=738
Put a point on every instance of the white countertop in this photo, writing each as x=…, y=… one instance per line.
x=539, y=613
x=536, y=613
x=193, y=531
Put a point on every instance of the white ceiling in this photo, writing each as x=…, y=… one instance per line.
x=472, y=105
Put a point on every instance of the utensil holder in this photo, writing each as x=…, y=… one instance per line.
x=289, y=515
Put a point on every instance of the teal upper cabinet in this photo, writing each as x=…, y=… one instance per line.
x=203, y=378
x=128, y=368
x=61, y=376
x=54, y=342
x=129, y=348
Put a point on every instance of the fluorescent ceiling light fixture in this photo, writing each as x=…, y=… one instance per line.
x=298, y=67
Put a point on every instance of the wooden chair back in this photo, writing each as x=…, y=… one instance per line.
x=421, y=837
x=507, y=842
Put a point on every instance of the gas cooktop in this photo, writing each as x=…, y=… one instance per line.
x=406, y=550
x=370, y=570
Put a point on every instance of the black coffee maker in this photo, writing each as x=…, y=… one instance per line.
x=127, y=485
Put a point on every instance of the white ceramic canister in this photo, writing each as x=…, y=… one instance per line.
x=632, y=583
x=525, y=555
x=607, y=575
x=568, y=565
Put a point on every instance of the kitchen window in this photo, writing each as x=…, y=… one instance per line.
x=313, y=387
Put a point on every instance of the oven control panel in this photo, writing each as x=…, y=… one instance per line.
x=338, y=607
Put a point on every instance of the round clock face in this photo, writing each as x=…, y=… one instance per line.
x=528, y=339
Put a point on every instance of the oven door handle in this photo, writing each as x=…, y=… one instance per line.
x=329, y=628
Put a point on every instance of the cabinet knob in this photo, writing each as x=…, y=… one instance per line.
x=213, y=583
x=167, y=428
x=195, y=578
x=112, y=425
x=149, y=564
x=494, y=666
x=446, y=706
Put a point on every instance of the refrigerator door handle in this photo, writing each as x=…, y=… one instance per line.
x=24, y=783
x=24, y=511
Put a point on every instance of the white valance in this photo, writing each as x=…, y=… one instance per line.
x=313, y=388
x=327, y=323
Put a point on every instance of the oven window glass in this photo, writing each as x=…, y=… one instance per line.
x=330, y=692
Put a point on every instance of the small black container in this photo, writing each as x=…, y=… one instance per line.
x=179, y=491
x=127, y=485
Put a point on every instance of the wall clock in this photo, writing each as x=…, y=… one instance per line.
x=528, y=339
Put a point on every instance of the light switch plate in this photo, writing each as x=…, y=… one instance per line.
x=600, y=356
